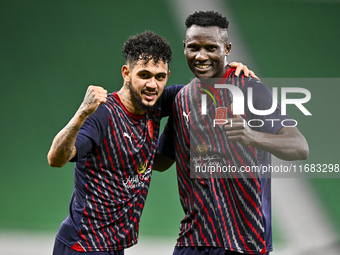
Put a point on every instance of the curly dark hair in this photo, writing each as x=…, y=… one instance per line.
x=207, y=19
x=147, y=46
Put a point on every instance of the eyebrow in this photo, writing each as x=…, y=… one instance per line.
x=147, y=71
x=194, y=42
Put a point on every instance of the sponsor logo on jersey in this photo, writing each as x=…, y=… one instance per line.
x=142, y=167
x=138, y=180
x=186, y=116
x=128, y=136
x=202, y=148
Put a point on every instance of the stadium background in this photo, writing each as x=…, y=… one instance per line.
x=52, y=50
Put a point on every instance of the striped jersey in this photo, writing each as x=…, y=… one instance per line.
x=228, y=212
x=113, y=167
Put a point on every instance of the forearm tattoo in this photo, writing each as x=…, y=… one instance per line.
x=64, y=142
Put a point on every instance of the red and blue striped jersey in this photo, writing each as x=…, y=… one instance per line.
x=113, y=167
x=234, y=213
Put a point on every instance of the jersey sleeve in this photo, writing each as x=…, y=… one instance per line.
x=92, y=132
x=166, y=145
x=262, y=100
x=167, y=98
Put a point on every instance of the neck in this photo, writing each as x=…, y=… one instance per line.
x=128, y=101
x=225, y=69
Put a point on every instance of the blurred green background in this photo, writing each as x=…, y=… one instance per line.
x=52, y=50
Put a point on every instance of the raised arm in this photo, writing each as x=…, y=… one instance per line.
x=63, y=146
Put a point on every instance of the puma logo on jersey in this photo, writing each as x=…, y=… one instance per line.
x=186, y=116
x=128, y=136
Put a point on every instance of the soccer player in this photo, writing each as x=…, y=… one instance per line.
x=112, y=139
x=222, y=215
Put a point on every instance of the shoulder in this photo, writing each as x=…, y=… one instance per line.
x=100, y=117
x=171, y=91
x=169, y=94
x=258, y=88
x=175, y=87
x=112, y=103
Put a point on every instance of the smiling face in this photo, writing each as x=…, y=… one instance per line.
x=143, y=84
x=205, y=49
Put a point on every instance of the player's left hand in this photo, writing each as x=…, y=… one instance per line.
x=240, y=67
x=237, y=130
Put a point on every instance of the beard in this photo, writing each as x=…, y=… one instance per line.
x=137, y=98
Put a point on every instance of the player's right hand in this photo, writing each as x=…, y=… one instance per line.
x=95, y=95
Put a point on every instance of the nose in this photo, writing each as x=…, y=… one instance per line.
x=152, y=83
x=201, y=55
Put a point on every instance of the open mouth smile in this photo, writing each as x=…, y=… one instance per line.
x=150, y=96
x=202, y=67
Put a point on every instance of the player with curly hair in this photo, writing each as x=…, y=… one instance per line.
x=112, y=140
x=146, y=46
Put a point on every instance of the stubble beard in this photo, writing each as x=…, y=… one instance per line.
x=136, y=98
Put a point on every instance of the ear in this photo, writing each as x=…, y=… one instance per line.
x=227, y=48
x=126, y=73
x=184, y=46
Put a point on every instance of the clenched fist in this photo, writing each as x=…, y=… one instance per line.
x=94, y=96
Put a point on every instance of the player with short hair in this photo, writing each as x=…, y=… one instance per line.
x=222, y=215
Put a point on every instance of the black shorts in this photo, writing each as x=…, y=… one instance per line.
x=203, y=250
x=62, y=249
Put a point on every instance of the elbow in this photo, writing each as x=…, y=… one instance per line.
x=301, y=145
x=53, y=162
x=299, y=152
x=162, y=162
x=55, y=165
x=162, y=167
x=303, y=151
x=302, y=155
x=159, y=169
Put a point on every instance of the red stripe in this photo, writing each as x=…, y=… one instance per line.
x=84, y=238
x=248, y=223
x=115, y=176
x=91, y=226
x=209, y=219
x=233, y=215
x=221, y=213
x=106, y=204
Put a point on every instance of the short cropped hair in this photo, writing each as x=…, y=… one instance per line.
x=147, y=46
x=207, y=19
